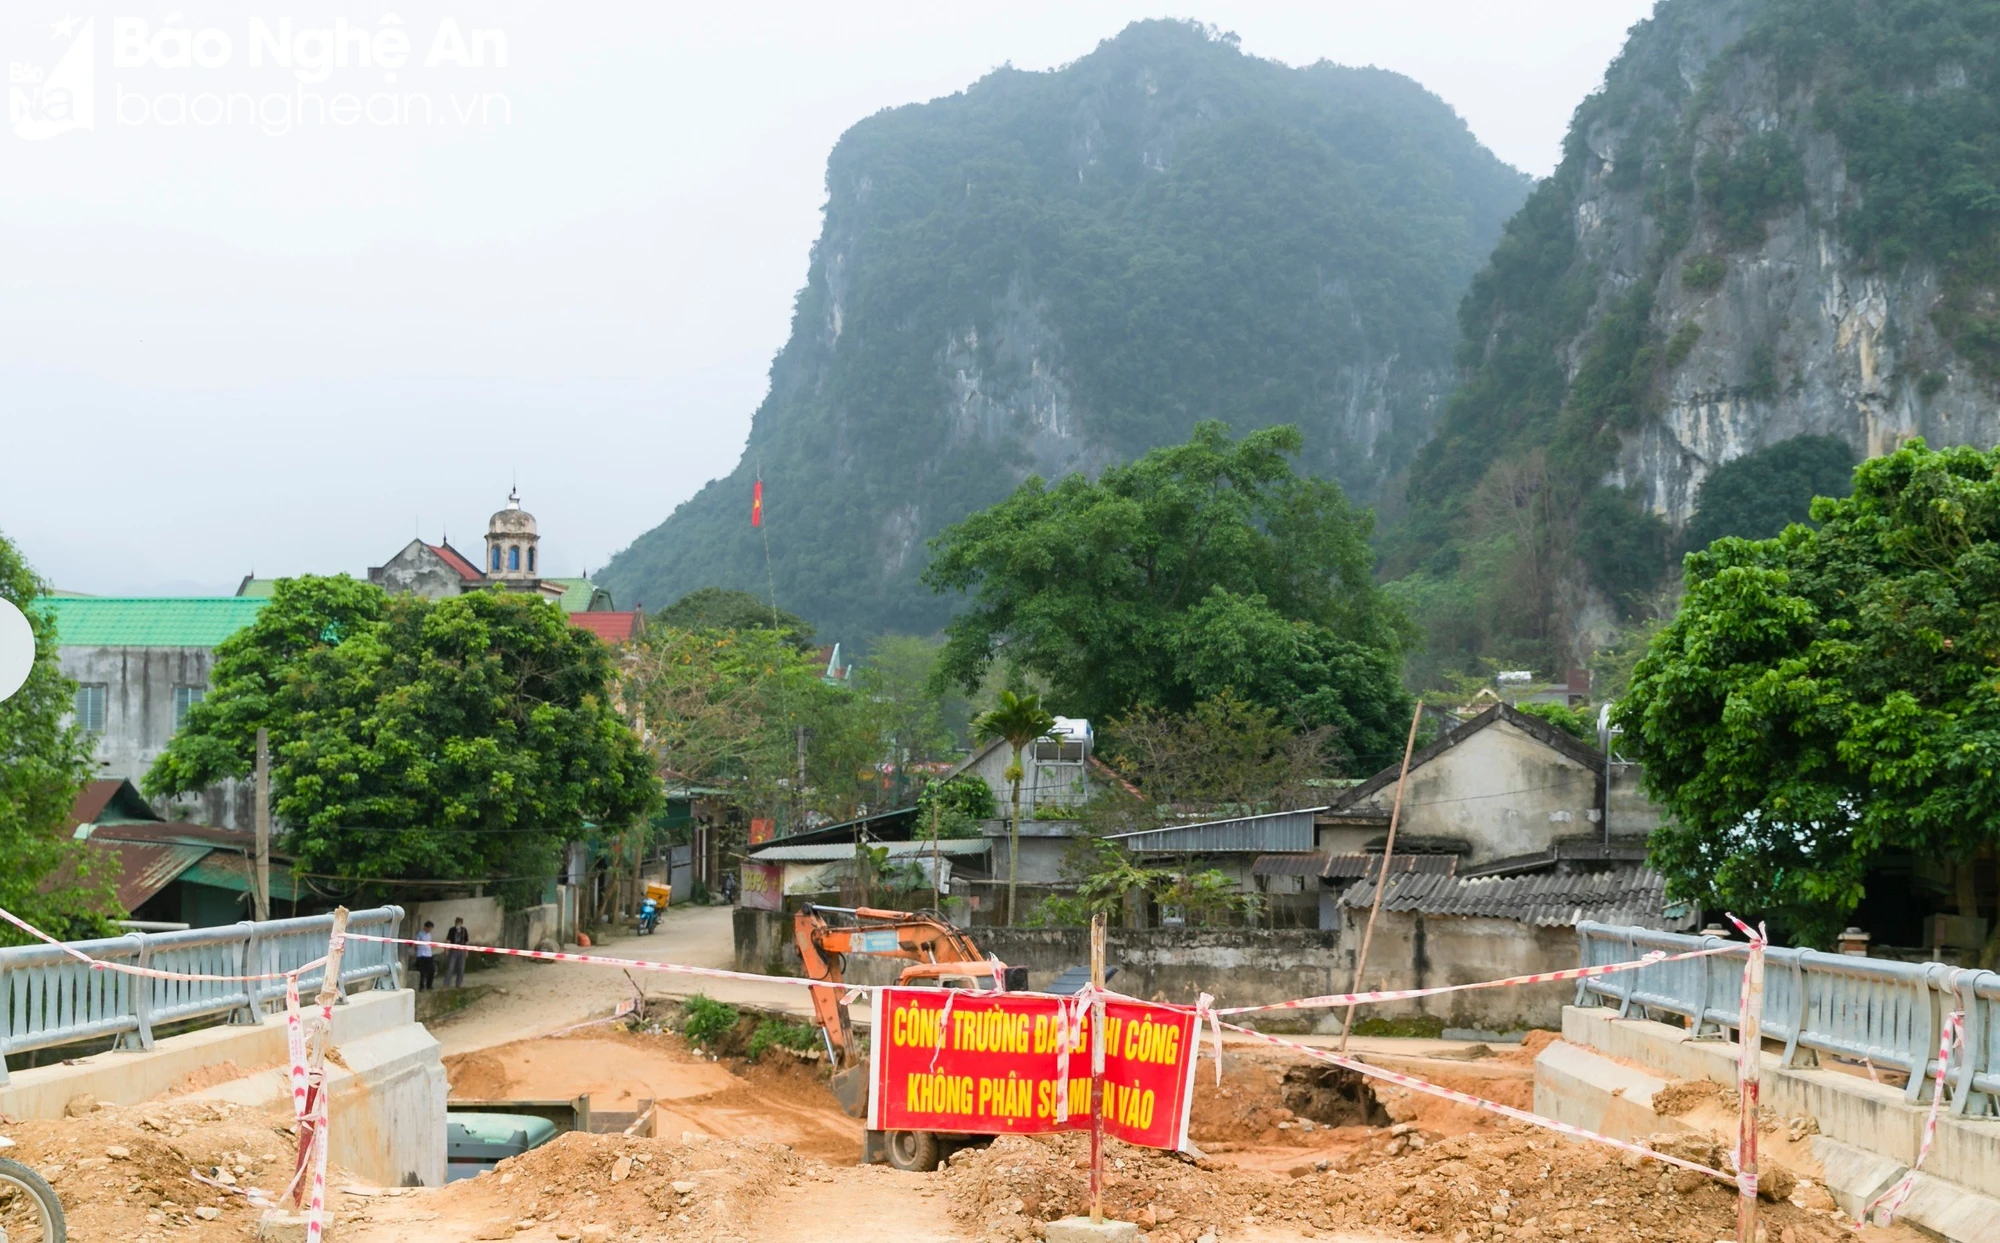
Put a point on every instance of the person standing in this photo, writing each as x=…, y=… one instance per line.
x=454, y=959
x=426, y=964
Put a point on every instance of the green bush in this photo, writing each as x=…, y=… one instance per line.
x=708, y=1020
x=778, y=1032
x=1703, y=273
x=1682, y=344
x=1427, y=1026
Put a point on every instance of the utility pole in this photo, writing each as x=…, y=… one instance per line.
x=1097, y=922
x=263, y=823
x=1382, y=876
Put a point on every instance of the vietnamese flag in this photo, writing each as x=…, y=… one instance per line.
x=757, y=504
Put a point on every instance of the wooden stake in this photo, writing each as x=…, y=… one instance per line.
x=317, y=1040
x=263, y=894
x=1097, y=1069
x=1750, y=1045
x=1382, y=877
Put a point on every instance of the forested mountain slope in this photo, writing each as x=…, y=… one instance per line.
x=1779, y=218
x=1051, y=272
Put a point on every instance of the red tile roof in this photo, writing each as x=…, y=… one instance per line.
x=456, y=560
x=610, y=627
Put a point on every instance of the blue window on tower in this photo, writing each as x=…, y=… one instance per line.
x=531, y=559
x=496, y=556
x=514, y=557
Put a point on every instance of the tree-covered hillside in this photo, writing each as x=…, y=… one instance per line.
x=1056, y=271
x=1778, y=218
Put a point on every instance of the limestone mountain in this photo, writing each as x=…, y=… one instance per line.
x=1777, y=219
x=1050, y=272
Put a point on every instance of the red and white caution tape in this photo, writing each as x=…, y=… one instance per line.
x=1952, y=1037
x=629, y=964
x=1542, y=977
x=1480, y=1102
x=149, y=973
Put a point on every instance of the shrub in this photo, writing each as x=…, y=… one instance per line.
x=708, y=1020
x=1703, y=273
x=778, y=1032
x=1682, y=344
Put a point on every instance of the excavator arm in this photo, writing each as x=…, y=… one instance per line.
x=935, y=948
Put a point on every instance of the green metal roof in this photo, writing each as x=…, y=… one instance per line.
x=577, y=594
x=172, y=621
x=260, y=588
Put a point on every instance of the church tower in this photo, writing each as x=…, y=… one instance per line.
x=510, y=544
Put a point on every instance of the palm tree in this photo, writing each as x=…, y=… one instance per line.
x=1020, y=720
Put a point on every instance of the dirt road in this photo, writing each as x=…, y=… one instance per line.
x=534, y=999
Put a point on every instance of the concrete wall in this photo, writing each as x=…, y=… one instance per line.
x=417, y=571
x=139, y=687
x=1044, y=848
x=387, y=1087
x=485, y=921
x=1423, y=951
x=1500, y=789
x=1238, y=966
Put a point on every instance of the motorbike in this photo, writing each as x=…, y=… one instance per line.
x=649, y=915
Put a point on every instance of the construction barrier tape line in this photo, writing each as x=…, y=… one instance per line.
x=1542, y=977
x=1337, y=999
x=1466, y=1098
x=1891, y=1200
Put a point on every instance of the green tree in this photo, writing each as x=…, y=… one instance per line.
x=1225, y=756
x=44, y=763
x=1830, y=694
x=954, y=808
x=461, y=739
x=722, y=608
x=1761, y=493
x=1200, y=568
x=1017, y=720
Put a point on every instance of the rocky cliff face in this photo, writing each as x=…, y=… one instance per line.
x=1803, y=333
x=1054, y=271
x=1777, y=218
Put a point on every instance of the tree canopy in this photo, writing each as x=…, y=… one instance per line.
x=44, y=763
x=1761, y=493
x=1201, y=568
x=1831, y=694
x=463, y=739
x=723, y=608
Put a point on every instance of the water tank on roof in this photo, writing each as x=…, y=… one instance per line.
x=1072, y=729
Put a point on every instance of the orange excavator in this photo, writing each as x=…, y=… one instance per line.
x=940, y=955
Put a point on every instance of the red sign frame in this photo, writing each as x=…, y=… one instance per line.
x=996, y=1070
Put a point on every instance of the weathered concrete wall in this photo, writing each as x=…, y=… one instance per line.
x=485, y=921
x=1547, y=795
x=1238, y=966
x=419, y=571
x=139, y=687
x=1423, y=951
x=387, y=1087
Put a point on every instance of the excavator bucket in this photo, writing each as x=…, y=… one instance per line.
x=850, y=1088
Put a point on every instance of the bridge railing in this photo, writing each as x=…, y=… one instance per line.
x=48, y=998
x=1869, y=1011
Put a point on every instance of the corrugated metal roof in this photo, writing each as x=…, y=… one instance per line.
x=1624, y=895
x=832, y=851
x=577, y=594
x=143, y=869
x=1354, y=866
x=170, y=621
x=1288, y=865
x=1272, y=833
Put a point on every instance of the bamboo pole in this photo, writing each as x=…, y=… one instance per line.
x=318, y=1038
x=1097, y=1069
x=1750, y=1044
x=263, y=861
x=1382, y=877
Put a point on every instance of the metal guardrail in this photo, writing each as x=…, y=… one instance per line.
x=48, y=998
x=1866, y=1010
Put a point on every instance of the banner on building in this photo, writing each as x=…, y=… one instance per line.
x=991, y=1066
x=763, y=886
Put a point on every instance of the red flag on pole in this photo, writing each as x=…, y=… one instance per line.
x=757, y=504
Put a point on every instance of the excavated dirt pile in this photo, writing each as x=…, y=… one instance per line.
x=602, y=1186
x=123, y=1173
x=1518, y=1186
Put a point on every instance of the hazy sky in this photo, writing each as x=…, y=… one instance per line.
x=282, y=306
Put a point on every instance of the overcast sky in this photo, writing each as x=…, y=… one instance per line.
x=240, y=330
